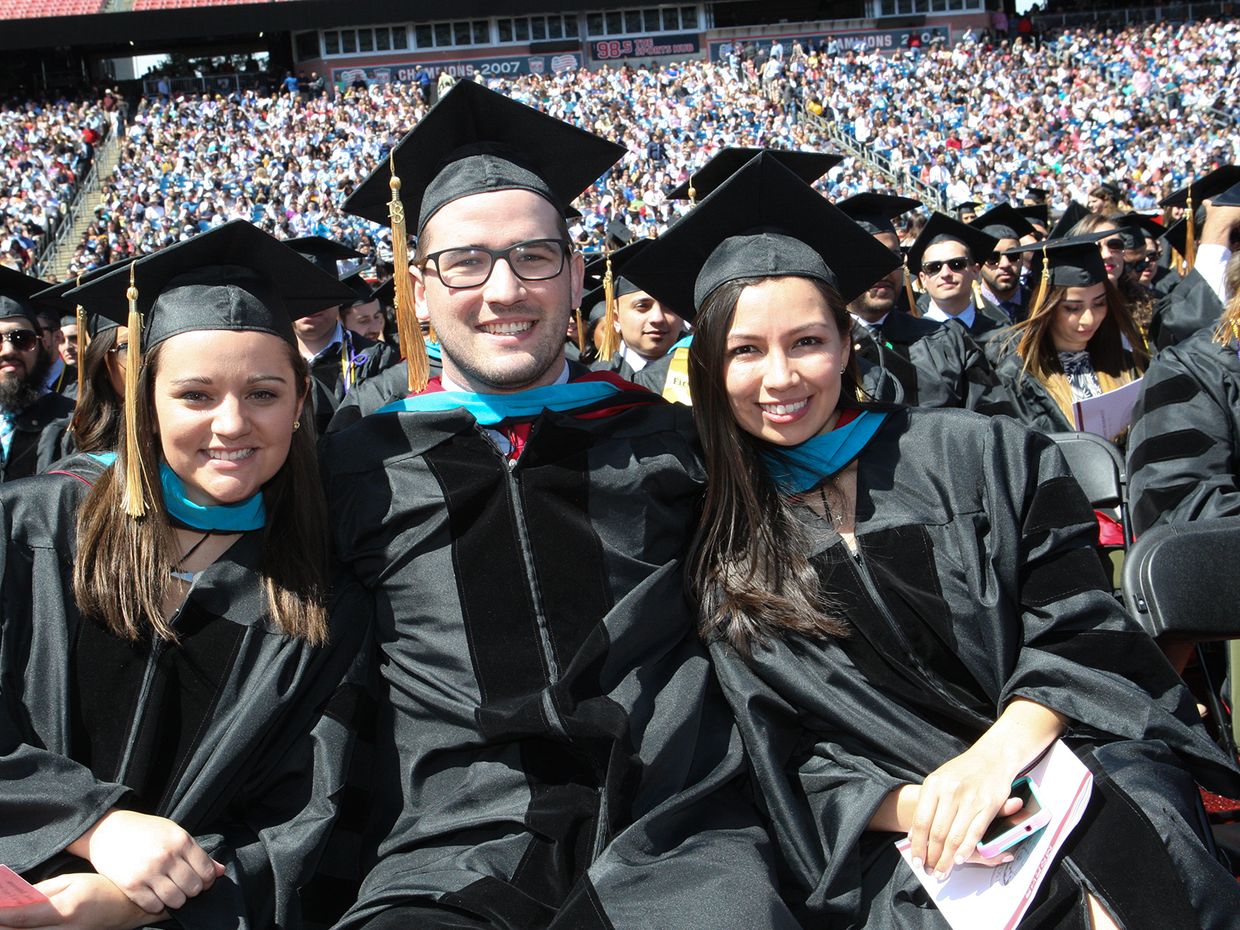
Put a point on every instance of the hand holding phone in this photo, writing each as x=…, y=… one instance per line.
x=1006, y=831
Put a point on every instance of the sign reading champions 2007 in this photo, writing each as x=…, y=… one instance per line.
x=510, y=66
x=882, y=40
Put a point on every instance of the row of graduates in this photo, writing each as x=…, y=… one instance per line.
x=894, y=609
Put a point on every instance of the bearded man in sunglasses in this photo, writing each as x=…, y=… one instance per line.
x=26, y=405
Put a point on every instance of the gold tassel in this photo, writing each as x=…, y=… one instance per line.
x=581, y=331
x=908, y=292
x=135, y=503
x=411, y=345
x=692, y=193
x=80, y=312
x=1044, y=284
x=978, y=300
x=608, y=340
x=1190, y=234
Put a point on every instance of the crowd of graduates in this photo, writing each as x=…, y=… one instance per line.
x=437, y=576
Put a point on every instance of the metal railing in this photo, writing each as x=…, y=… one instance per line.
x=1136, y=15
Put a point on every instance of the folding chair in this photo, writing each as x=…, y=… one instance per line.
x=1098, y=468
x=1180, y=582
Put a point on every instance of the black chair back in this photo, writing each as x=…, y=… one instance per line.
x=1097, y=466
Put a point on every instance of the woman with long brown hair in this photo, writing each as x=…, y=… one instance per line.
x=165, y=649
x=1077, y=342
x=904, y=607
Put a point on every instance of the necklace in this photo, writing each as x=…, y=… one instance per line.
x=188, y=577
x=829, y=513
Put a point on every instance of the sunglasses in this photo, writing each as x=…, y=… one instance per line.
x=955, y=264
x=1115, y=245
x=994, y=258
x=23, y=340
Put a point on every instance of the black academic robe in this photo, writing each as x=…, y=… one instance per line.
x=554, y=751
x=242, y=739
x=376, y=392
x=936, y=365
x=1184, y=449
x=328, y=388
x=1164, y=281
x=1189, y=306
x=975, y=583
x=620, y=365
x=23, y=458
x=988, y=319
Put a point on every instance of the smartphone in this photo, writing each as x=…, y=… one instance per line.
x=15, y=891
x=1005, y=832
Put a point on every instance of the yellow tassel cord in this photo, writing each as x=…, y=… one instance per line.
x=692, y=193
x=978, y=300
x=1190, y=234
x=135, y=502
x=608, y=340
x=1044, y=284
x=411, y=345
x=581, y=330
x=908, y=292
x=430, y=332
x=80, y=313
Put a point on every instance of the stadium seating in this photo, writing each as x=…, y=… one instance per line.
x=28, y=9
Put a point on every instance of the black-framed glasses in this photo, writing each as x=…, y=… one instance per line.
x=23, y=340
x=471, y=265
x=955, y=264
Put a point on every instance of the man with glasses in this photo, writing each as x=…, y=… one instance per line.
x=552, y=750
x=1000, y=282
x=944, y=260
x=27, y=406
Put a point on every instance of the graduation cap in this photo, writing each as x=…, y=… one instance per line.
x=1135, y=228
x=1003, y=222
x=764, y=221
x=17, y=296
x=618, y=235
x=941, y=227
x=966, y=206
x=1073, y=261
x=472, y=141
x=1039, y=213
x=874, y=212
x=1203, y=188
x=1071, y=215
x=808, y=166
x=323, y=252
x=234, y=277
x=604, y=276
x=1176, y=236
x=1037, y=196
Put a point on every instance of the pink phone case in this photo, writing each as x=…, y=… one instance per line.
x=15, y=891
x=1019, y=833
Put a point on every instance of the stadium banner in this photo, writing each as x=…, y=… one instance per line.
x=686, y=44
x=508, y=66
x=882, y=40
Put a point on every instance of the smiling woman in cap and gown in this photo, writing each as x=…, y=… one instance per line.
x=165, y=649
x=553, y=750
x=904, y=606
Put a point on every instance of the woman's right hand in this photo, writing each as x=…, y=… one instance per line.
x=156, y=863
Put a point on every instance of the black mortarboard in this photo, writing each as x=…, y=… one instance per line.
x=1073, y=262
x=1003, y=222
x=1039, y=213
x=940, y=226
x=570, y=213
x=1135, y=228
x=808, y=166
x=1228, y=198
x=323, y=252
x=55, y=296
x=1177, y=234
x=618, y=235
x=1037, y=194
x=874, y=212
x=966, y=206
x=17, y=296
x=764, y=221
x=475, y=140
x=597, y=267
x=233, y=277
x=384, y=292
x=1206, y=186
x=1071, y=215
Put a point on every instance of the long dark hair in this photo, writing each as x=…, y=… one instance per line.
x=121, y=573
x=100, y=412
x=750, y=571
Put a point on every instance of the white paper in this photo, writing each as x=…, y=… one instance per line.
x=978, y=897
x=1109, y=414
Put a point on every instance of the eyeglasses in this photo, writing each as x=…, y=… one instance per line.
x=955, y=264
x=994, y=258
x=1115, y=245
x=23, y=340
x=471, y=266
x=121, y=348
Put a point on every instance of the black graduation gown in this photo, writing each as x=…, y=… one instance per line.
x=1188, y=307
x=376, y=392
x=1165, y=280
x=327, y=383
x=554, y=751
x=620, y=365
x=975, y=583
x=243, y=741
x=987, y=321
x=936, y=365
x=1184, y=449
x=23, y=459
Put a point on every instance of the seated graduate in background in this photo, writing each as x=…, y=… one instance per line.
x=553, y=750
x=1184, y=451
x=937, y=365
x=1197, y=301
x=165, y=647
x=904, y=606
x=1000, y=271
x=1075, y=343
x=945, y=258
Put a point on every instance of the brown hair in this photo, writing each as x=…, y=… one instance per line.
x=100, y=412
x=1229, y=323
x=121, y=574
x=750, y=570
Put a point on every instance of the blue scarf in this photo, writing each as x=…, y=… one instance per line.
x=433, y=350
x=493, y=409
x=798, y=468
x=249, y=514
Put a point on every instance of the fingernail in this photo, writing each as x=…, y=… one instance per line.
x=959, y=859
x=1009, y=858
x=941, y=876
x=916, y=863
